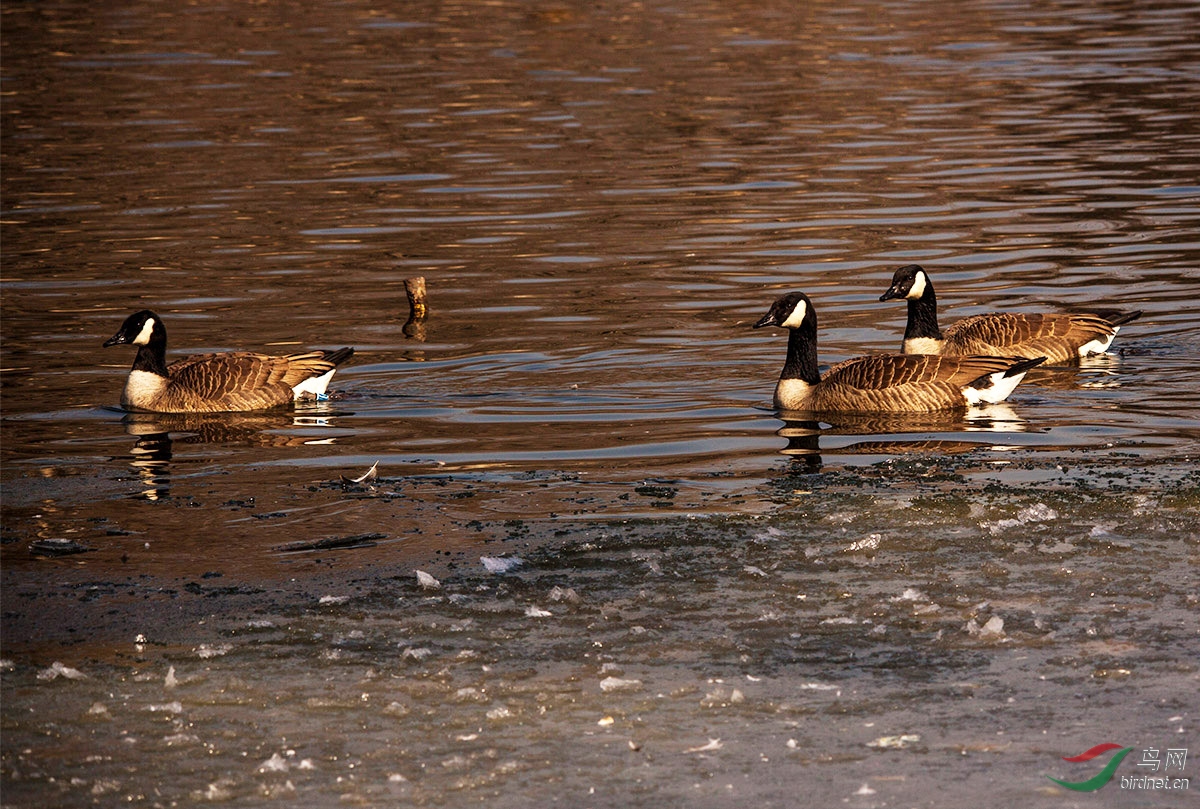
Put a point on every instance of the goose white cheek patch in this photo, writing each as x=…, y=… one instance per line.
x=143, y=337
x=797, y=316
x=918, y=287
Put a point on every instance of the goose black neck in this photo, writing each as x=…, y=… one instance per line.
x=152, y=357
x=922, y=316
x=801, y=362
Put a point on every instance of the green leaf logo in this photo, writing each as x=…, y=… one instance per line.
x=1101, y=778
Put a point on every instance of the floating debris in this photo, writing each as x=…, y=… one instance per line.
x=331, y=543
x=414, y=327
x=366, y=477
x=713, y=744
x=427, y=581
x=534, y=611
x=57, y=547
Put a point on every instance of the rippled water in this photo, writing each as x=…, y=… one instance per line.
x=602, y=199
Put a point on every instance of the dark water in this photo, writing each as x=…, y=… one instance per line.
x=635, y=556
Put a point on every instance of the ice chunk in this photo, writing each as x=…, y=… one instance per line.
x=534, y=611
x=500, y=564
x=713, y=744
x=867, y=543
x=619, y=684
x=992, y=628
x=57, y=670
x=276, y=763
x=894, y=742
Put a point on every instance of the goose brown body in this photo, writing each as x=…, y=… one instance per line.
x=211, y=383
x=1060, y=337
x=887, y=383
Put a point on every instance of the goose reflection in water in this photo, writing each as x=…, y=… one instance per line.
x=157, y=434
x=804, y=434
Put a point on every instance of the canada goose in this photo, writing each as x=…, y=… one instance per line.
x=1060, y=338
x=893, y=383
x=209, y=383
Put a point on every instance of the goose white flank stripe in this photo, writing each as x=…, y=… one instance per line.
x=894, y=383
x=1060, y=337
x=212, y=383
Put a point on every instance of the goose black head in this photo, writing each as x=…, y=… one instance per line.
x=910, y=281
x=789, y=312
x=138, y=329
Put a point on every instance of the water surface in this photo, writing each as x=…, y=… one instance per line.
x=602, y=199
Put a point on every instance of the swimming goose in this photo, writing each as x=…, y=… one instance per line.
x=1060, y=338
x=891, y=383
x=210, y=383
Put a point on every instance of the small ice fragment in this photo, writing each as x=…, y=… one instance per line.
x=7, y=665
x=427, y=581
x=619, y=684
x=868, y=543
x=566, y=594
x=99, y=709
x=755, y=571
x=1038, y=512
x=333, y=600
x=57, y=670
x=306, y=764
x=466, y=737
x=499, y=712
x=895, y=742
x=276, y=763
x=605, y=721
x=713, y=744
x=416, y=653
x=865, y=790
x=207, y=650
x=791, y=744
x=500, y=564
x=911, y=594
x=534, y=611
x=170, y=681
x=165, y=707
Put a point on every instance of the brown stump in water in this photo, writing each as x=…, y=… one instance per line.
x=415, y=326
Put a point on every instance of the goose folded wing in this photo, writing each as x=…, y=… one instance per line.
x=233, y=376
x=894, y=371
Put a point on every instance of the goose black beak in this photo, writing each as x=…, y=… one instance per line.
x=117, y=339
x=768, y=319
x=894, y=292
